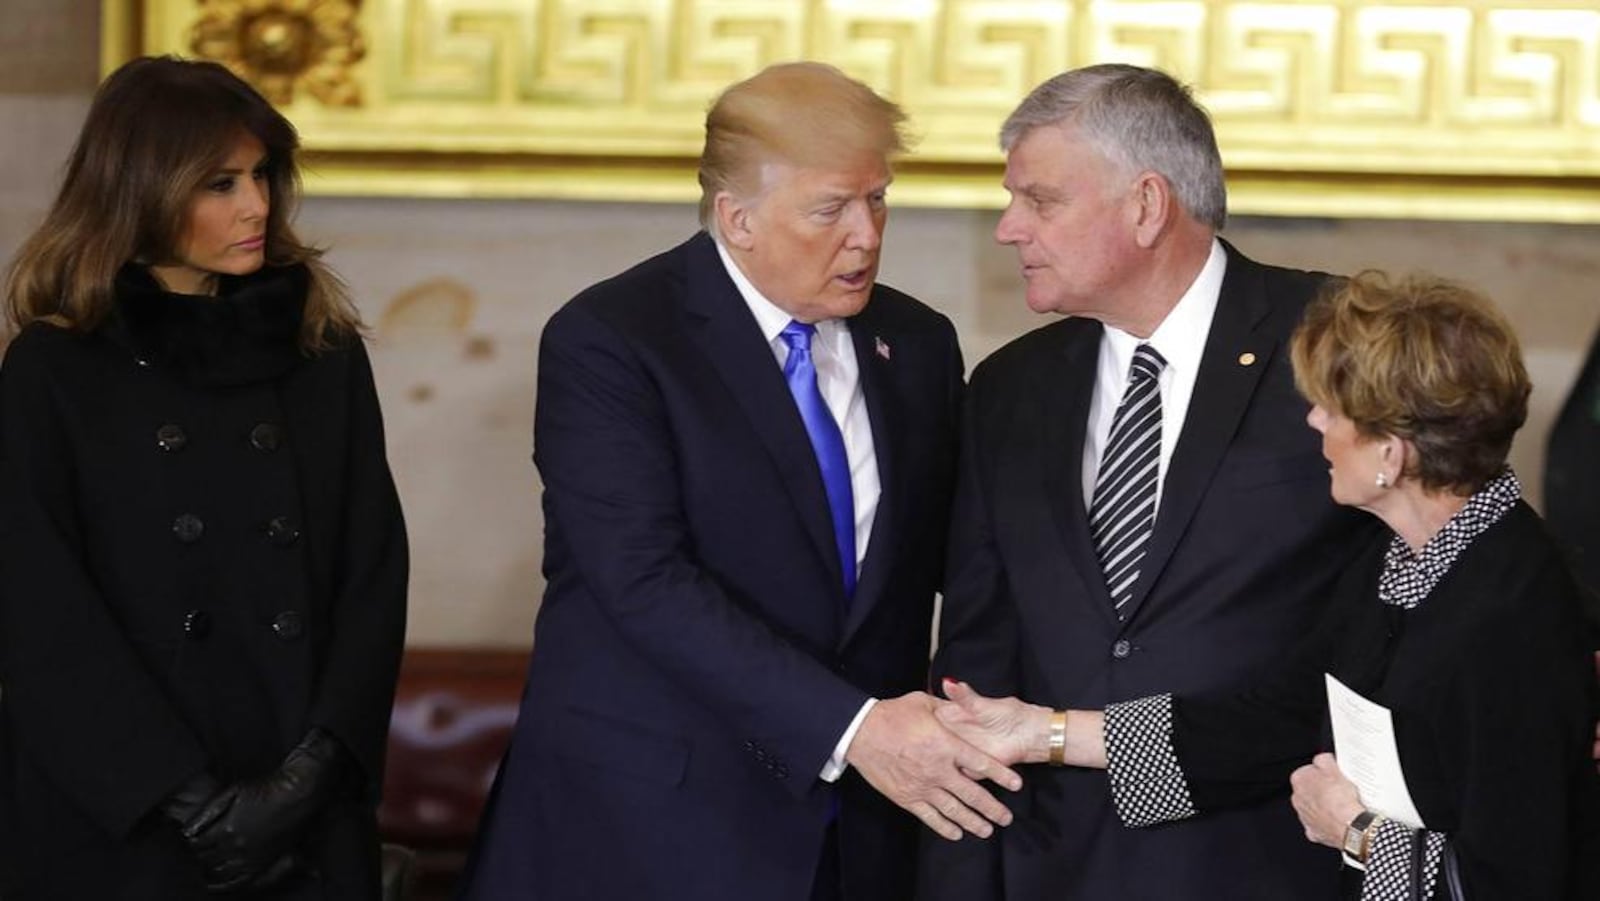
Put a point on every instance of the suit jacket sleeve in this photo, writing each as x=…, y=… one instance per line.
x=603, y=445
x=368, y=617
x=86, y=711
x=1238, y=745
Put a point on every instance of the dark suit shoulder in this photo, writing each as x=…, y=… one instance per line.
x=899, y=311
x=1017, y=358
x=647, y=289
x=1279, y=284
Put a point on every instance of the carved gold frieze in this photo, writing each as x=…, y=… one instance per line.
x=284, y=45
x=1341, y=107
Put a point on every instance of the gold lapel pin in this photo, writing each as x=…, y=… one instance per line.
x=1247, y=359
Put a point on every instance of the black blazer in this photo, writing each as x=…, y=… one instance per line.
x=693, y=665
x=1246, y=544
x=1491, y=684
x=201, y=557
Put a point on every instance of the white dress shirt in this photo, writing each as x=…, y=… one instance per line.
x=1181, y=340
x=839, y=380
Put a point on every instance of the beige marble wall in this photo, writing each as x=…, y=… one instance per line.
x=458, y=291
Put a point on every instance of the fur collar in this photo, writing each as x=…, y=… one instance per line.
x=248, y=333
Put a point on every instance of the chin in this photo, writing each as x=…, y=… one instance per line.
x=244, y=268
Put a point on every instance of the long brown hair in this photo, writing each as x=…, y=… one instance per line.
x=158, y=129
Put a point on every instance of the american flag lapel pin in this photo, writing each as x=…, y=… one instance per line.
x=881, y=346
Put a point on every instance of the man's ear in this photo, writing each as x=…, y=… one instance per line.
x=733, y=220
x=1154, y=207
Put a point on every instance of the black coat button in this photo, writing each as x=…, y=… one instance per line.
x=171, y=438
x=265, y=437
x=197, y=624
x=188, y=528
x=281, y=531
x=288, y=625
x=1121, y=649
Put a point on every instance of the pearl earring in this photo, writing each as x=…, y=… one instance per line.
x=1383, y=480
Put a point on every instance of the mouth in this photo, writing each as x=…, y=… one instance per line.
x=856, y=280
x=255, y=243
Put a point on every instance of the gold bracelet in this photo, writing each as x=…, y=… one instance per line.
x=1058, y=738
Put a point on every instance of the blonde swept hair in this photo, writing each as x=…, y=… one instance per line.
x=806, y=114
x=156, y=132
x=1420, y=358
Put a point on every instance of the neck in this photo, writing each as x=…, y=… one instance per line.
x=1174, y=263
x=179, y=280
x=1417, y=515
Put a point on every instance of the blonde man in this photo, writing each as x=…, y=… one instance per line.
x=747, y=447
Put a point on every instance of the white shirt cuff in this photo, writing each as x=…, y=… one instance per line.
x=835, y=767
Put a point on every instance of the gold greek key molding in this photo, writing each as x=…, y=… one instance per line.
x=1346, y=108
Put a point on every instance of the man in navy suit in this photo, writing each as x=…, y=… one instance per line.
x=747, y=448
x=1062, y=596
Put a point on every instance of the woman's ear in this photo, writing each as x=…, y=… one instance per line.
x=1397, y=456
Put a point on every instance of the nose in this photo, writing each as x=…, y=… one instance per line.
x=256, y=199
x=1317, y=417
x=1006, y=231
x=866, y=227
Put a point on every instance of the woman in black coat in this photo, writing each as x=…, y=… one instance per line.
x=202, y=556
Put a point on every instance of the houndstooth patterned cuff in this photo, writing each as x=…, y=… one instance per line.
x=1389, y=863
x=1147, y=784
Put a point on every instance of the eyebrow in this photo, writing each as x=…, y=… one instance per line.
x=225, y=170
x=845, y=196
x=1036, y=191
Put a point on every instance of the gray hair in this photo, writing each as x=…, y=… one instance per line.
x=1141, y=119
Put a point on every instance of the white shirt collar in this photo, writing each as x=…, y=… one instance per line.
x=771, y=318
x=1181, y=336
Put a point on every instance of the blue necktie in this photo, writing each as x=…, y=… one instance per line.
x=801, y=373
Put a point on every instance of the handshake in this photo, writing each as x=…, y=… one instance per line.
x=929, y=755
x=245, y=835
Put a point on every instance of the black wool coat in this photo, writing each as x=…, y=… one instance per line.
x=202, y=556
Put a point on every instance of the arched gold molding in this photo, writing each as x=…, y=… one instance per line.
x=1421, y=109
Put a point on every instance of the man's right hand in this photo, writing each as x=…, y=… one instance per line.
x=904, y=752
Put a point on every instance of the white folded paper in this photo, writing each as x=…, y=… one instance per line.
x=1363, y=741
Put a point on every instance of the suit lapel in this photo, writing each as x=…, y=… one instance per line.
x=727, y=334
x=1064, y=397
x=882, y=392
x=1222, y=392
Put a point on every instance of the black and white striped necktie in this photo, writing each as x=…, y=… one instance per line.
x=1123, y=513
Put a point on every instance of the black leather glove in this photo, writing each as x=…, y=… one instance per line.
x=183, y=805
x=241, y=834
